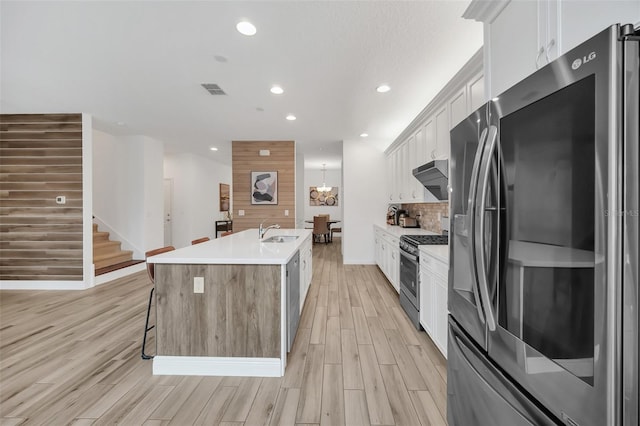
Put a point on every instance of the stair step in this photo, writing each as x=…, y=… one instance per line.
x=105, y=260
x=100, y=236
x=105, y=247
x=117, y=266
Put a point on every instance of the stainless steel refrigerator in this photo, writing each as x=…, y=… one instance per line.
x=543, y=279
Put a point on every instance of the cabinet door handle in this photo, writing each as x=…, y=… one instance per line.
x=540, y=52
x=552, y=43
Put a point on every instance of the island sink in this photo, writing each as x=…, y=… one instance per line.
x=281, y=239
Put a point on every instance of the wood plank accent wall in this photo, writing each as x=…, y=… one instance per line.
x=40, y=159
x=245, y=159
x=238, y=315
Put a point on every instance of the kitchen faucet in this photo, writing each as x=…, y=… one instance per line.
x=262, y=230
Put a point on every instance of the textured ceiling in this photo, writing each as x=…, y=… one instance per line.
x=142, y=64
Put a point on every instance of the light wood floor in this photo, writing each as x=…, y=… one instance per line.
x=73, y=358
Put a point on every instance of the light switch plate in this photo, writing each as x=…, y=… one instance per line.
x=198, y=284
x=240, y=212
x=286, y=212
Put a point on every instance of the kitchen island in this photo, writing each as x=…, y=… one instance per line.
x=221, y=306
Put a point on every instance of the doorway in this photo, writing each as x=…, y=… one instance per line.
x=167, y=218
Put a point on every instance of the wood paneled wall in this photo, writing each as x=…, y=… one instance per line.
x=40, y=159
x=246, y=158
x=238, y=315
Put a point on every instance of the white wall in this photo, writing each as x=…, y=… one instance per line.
x=196, y=195
x=127, y=189
x=364, y=205
x=313, y=177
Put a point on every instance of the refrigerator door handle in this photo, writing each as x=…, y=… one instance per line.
x=470, y=218
x=478, y=243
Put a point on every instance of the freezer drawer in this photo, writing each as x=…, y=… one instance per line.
x=479, y=394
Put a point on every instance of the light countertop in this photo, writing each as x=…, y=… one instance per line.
x=398, y=231
x=440, y=252
x=241, y=248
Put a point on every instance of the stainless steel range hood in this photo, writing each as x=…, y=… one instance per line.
x=434, y=176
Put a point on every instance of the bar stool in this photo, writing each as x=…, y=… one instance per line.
x=200, y=240
x=151, y=272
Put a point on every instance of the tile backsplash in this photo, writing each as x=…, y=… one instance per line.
x=428, y=214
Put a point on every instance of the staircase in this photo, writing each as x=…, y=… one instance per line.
x=107, y=254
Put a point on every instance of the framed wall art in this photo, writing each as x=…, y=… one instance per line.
x=323, y=198
x=264, y=188
x=224, y=197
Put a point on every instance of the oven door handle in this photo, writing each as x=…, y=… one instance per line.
x=409, y=256
x=471, y=222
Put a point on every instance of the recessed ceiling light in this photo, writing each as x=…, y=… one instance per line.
x=364, y=135
x=495, y=99
x=383, y=88
x=246, y=28
x=213, y=148
x=277, y=90
x=291, y=117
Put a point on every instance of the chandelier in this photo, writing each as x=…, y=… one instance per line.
x=324, y=187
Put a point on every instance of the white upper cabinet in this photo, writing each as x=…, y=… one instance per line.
x=475, y=92
x=442, y=134
x=416, y=158
x=458, y=108
x=513, y=45
x=430, y=140
x=390, y=173
x=584, y=19
x=526, y=35
x=427, y=137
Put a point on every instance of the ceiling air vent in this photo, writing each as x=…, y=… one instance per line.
x=213, y=89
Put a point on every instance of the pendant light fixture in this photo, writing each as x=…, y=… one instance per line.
x=324, y=187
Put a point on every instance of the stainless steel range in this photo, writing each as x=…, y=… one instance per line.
x=410, y=272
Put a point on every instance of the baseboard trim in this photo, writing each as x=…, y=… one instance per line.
x=42, y=285
x=217, y=366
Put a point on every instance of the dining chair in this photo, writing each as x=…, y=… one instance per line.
x=328, y=216
x=200, y=240
x=320, y=228
x=337, y=229
x=151, y=272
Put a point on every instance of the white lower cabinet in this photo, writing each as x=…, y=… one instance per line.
x=433, y=300
x=387, y=252
x=394, y=264
x=306, y=269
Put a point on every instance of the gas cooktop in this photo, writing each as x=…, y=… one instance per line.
x=417, y=240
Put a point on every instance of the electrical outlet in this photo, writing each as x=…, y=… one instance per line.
x=240, y=212
x=198, y=284
x=286, y=212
